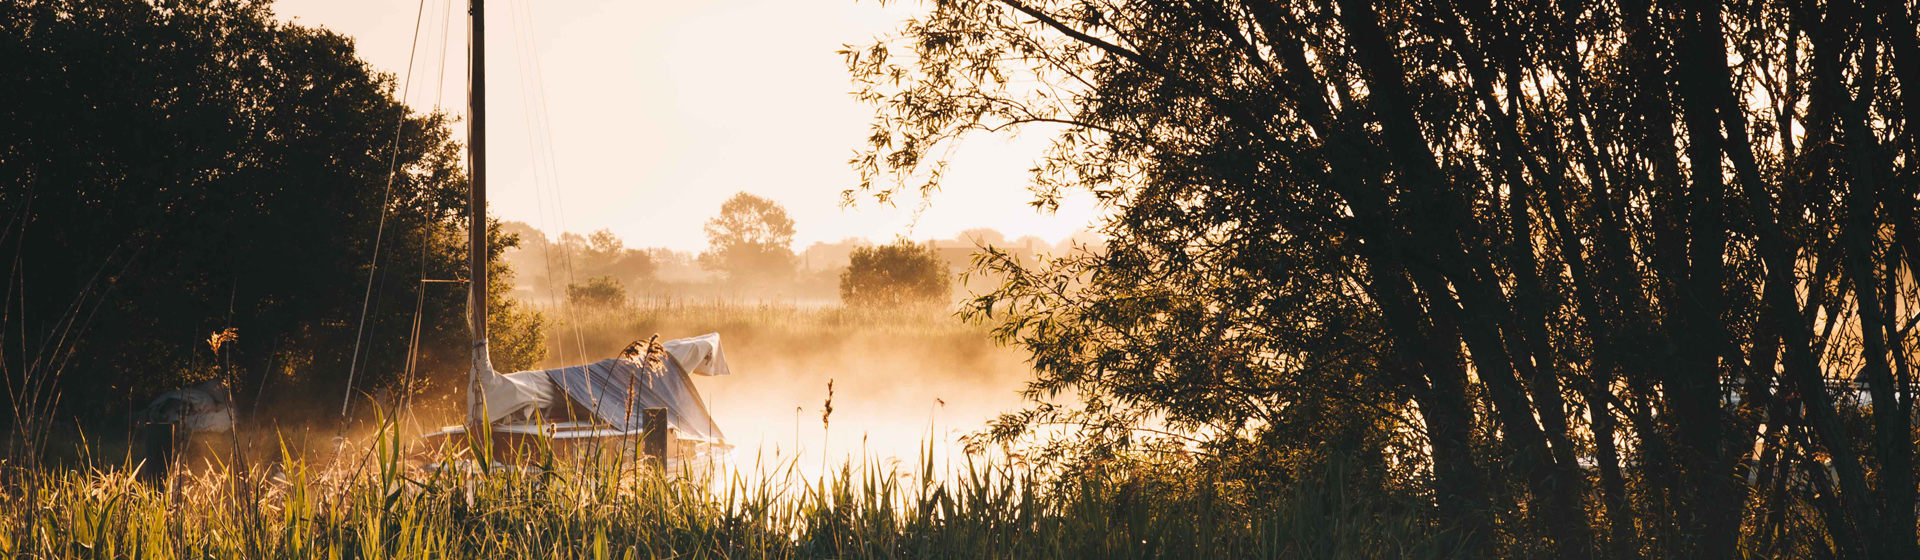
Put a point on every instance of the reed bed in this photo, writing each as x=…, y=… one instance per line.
x=383, y=502
x=600, y=330
x=299, y=496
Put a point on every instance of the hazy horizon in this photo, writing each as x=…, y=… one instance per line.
x=655, y=119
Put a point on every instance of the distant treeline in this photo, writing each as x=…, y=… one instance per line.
x=169, y=170
x=546, y=266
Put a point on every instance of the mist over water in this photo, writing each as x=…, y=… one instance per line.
x=905, y=380
x=901, y=380
x=890, y=399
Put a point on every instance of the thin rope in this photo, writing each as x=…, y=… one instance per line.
x=540, y=136
x=405, y=406
x=523, y=53
x=426, y=229
x=546, y=133
x=440, y=87
x=379, y=233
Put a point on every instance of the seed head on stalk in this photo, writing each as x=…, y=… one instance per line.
x=220, y=338
x=827, y=413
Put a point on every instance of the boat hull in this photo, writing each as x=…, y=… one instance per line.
x=577, y=445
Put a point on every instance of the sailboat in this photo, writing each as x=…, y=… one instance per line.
x=642, y=401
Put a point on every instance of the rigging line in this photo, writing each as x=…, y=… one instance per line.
x=379, y=232
x=440, y=88
x=265, y=375
x=426, y=229
x=405, y=405
x=544, y=131
x=539, y=81
x=538, y=121
x=523, y=52
x=446, y=23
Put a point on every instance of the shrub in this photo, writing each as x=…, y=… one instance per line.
x=896, y=274
x=598, y=291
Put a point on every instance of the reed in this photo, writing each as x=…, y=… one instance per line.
x=381, y=501
x=601, y=330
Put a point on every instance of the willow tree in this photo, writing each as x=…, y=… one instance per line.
x=1637, y=277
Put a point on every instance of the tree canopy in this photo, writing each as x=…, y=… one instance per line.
x=751, y=239
x=897, y=274
x=1603, y=279
x=169, y=169
x=598, y=291
x=547, y=266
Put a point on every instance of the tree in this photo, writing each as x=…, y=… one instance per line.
x=1553, y=240
x=605, y=255
x=599, y=291
x=204, y=166
x=900, y=274
x=551, y=265
x=751, y=240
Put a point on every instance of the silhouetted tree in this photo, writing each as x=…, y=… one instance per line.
x=898, y=274
x=166, y=168
x=1622, y=279
x=605, y=255
x=751, y=240
x=600, y=291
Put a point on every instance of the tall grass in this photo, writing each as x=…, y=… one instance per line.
x=593, y=332
x=380, y=502
x=381, y=499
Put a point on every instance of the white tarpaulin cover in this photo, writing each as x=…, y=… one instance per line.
x=602, y=388
x=699, y=354
x=201, y=408
x=514, y=396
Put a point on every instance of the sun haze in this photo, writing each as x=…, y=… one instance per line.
x=658, y=111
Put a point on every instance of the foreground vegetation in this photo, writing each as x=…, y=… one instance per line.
x=378, y=503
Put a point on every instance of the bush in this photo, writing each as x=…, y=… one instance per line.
x=897, y=274
x=598, y=291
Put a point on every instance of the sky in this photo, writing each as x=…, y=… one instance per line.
x=657, y=111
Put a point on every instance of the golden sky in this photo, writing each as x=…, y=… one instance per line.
x=658, y=110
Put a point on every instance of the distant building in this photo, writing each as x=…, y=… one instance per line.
x=958, y=254
x=830, y=256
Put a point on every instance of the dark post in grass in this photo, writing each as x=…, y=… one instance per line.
x=160, y=448
x=653, y=432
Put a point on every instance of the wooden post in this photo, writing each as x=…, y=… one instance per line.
x=160, y=450
x=653, y=430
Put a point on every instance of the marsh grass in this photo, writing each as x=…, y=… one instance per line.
x=379, y=501
x=598, y=331
x=300, y=496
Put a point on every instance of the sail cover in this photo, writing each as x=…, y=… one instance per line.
x=604, y=388
x=699, y=354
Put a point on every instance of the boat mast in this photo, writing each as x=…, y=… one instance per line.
x=477, y=204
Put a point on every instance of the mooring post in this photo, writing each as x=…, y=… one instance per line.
x=653, y=428
x=160, y=449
